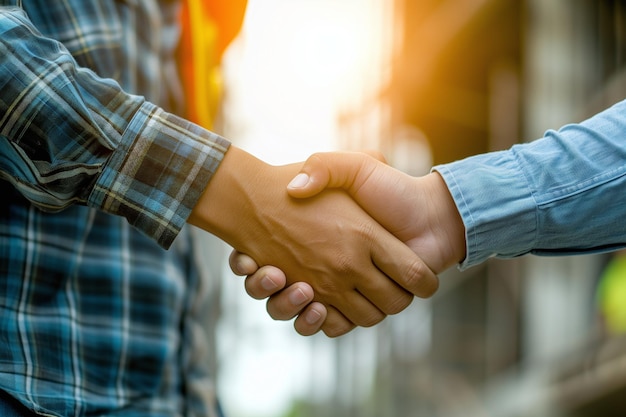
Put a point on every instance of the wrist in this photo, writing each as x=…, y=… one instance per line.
x=448, y=221
x=225, y=204
x=244, y=203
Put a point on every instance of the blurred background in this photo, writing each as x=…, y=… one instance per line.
x=429, y=82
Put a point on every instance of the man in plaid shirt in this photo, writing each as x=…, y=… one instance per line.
x=100, y=296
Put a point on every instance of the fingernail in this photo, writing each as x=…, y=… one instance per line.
x=312, y=317
x=298, y=297
x=299, y=181
x=268, y=284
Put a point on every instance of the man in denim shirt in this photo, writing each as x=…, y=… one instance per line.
x=563, y=194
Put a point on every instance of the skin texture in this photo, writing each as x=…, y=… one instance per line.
x=358, y=270
x=418, y=210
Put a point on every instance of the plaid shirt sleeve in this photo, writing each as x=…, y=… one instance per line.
x=69, y=137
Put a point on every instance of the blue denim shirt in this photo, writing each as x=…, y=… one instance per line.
x=562, y=194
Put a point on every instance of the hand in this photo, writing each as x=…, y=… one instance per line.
x=283, y=304
x=357, y=269
x=418, y=210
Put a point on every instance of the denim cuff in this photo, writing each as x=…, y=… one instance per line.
x=495, y=203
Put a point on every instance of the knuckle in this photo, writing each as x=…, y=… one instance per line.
x=419, y=280
x=346, y=266
x=333, y=330
x=431, y=289
x=371, y=319
x=367, y=231
x=252, y=289
x=414, y=273
x=398, y=304
x=316, y=157
x=316, y=162
x=304, y=330
x=277, y=311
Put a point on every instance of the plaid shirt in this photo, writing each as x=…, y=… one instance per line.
x=96, y=317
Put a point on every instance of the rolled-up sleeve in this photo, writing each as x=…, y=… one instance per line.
x=157, y=174
x=562, y=194
x=69, y=137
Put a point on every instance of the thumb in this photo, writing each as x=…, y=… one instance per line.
x=331, y=170
x=376, y=155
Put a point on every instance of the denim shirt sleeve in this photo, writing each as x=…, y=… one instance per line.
x=563, y=194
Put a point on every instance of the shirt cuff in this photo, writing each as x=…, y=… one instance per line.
x=496, y=204
x=159, y=171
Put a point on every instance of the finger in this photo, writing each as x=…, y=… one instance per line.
x=358, y=309
x=330, y=170
x=310, y=320
x=402, y=265
x=241, y=264
x=286, y=304
x=386, y=294
x=336, y=324
x=265, y=282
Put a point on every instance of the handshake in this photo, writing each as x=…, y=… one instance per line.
x=345, y=240
x=340, y=241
